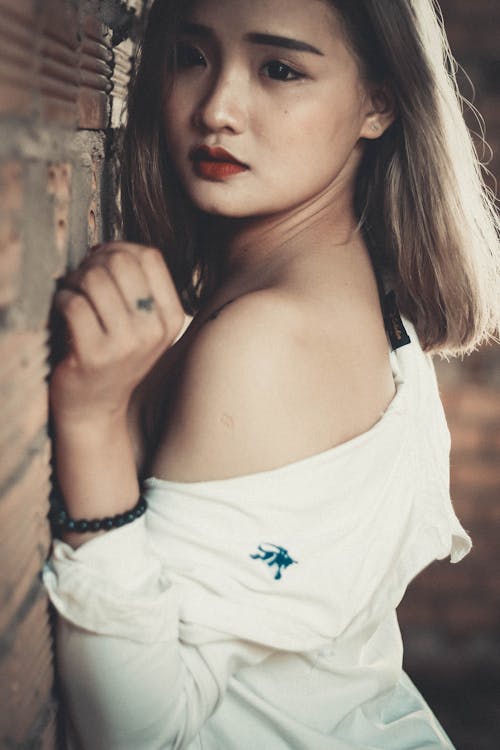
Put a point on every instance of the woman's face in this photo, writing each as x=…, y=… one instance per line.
x=273, y=83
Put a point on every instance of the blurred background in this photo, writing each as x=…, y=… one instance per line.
x=450, y=616
x=64, y=69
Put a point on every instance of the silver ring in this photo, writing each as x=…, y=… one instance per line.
x=145, y=303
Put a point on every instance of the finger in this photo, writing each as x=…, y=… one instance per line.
x=84, y=330
x=132, y=247
x=130, y=279
x=101, y=251
x=92, y=250
x=159, y=281
x=167, y=301
x=103, y=294
x=122, y=263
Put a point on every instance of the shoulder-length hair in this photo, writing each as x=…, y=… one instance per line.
x=428, y=218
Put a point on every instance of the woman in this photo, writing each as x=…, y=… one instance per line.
x=304, y=167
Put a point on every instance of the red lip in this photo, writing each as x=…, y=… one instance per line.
x=205, y=153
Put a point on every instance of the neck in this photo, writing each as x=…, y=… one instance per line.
x=258, y=246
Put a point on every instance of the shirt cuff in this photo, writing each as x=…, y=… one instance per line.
x=114, y=585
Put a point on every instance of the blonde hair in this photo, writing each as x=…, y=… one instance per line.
x=429, y=220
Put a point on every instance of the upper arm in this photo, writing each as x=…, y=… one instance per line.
x=147, y=402
x=267, y=383
x=237, y=403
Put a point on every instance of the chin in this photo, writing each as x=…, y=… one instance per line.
x=220, y=208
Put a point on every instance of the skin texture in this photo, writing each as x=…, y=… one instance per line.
x=298, y=362
x=285, y=383
x=232, y=93
x=295, y=118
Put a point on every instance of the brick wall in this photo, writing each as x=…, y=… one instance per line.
x=63, y=73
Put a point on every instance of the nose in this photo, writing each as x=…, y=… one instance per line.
x=223, y=106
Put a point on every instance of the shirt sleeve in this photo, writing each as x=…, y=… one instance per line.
x=128, y=679
x=217, y=576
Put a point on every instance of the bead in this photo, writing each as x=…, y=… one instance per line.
x=61, y=517
x=61, y=520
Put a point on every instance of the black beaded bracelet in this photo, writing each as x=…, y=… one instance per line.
x=62, y=521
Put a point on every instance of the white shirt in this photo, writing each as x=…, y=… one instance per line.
x=259, y=611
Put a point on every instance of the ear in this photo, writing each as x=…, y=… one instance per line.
x=381, y=112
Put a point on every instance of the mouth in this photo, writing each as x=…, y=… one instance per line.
x=215, y=164
x=217, y=154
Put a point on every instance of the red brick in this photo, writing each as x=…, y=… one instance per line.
x=482, y=505
x=466, y=438
x=11, y=203
x=474, y=475
x=95, y=75
x=59, y=186
x=59, y=62
x=24, y=536
x=27, y=677
x=471, y=403
x=17, y=57
x=23, y=392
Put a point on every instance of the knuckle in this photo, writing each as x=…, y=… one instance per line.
x=126, y=270
x=152, y=255
x=74, y=305
x=62, y=297
x=91, y=261
x=115, y=262
x=103, y=249
x=93, y=276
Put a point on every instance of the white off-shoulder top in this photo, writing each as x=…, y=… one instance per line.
x=258, y=612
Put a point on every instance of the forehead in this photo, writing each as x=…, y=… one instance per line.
x=314, y=20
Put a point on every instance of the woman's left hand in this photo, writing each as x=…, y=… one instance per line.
x=122, y=312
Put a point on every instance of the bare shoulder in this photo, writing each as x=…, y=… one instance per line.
x=228, y=406
x=256, y=391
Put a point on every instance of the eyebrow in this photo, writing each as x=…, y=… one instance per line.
x=256, y=38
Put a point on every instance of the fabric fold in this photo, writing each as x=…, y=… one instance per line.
x=114, y=585
x=254, y=593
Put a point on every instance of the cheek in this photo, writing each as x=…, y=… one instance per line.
x=315, y=136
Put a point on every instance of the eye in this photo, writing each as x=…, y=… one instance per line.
x=188, y=56
x=278, y=71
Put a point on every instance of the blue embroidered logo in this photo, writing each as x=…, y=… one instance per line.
x=274, y=555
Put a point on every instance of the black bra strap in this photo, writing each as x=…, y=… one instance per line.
x=396, y=331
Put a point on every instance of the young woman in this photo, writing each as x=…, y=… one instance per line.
x=299, y=181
